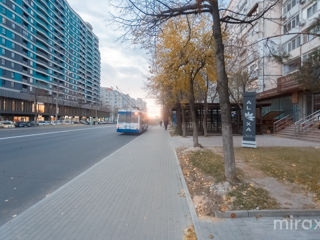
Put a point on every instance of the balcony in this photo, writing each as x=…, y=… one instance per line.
x=286, y=84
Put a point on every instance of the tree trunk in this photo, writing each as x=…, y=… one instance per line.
x=178, y=119
x=183, y=122
x=193, y=113
x=223, y=91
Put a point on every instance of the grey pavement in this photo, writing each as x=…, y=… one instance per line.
x=36, y=161
x=253, y=228
x=260, y=229
x=262, y=141
x=134, y=193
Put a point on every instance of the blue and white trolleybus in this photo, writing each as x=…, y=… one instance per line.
x=132, y=121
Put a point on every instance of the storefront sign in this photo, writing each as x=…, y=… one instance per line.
x=249, y=120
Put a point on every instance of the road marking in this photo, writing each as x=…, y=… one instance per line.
x=47, y=133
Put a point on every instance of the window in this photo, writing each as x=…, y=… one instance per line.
x=288, y=5
x=312, y=10
x=316, y=102
x=292, y=23
x=292, y=66
x=308, y=38
x=313, y=55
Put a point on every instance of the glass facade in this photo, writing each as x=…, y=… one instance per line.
x=45, y=45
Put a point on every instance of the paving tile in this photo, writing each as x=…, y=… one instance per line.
x=131, y=194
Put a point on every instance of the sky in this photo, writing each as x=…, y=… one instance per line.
x=123, y=65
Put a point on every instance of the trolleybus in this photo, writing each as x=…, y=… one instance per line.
x=131, y=121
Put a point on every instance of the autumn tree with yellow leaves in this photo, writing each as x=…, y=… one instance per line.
x=184, y=64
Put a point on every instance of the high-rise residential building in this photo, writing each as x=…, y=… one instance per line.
x=298, y=17
x=287, y=29
x=47, y=49
x=141, y=104
x=249, y=46
x=116, y=100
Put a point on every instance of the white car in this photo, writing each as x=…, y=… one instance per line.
x=42, y=123
x=7, y=124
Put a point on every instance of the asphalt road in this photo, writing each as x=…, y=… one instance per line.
x=36, y=161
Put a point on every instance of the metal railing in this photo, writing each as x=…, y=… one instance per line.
x=307, y=122
x=282, y=123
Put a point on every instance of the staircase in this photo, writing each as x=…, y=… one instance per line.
x=304, y=129
x=290, y=132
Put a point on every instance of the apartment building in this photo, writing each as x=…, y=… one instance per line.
x=116, y=100
x=299, y=17
x=248, y=46
x=141, y=104
x=283, y=30
x=47, y=50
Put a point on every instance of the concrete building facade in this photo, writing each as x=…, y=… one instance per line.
x=47, y=50
x=249, y=47
x=116, y=100
x=284, y=30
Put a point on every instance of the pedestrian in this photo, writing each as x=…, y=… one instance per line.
x=165, y=124
x=160, y=123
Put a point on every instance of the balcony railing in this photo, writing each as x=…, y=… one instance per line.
x=288, y=83
x=285, y=84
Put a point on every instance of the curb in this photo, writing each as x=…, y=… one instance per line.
x=194, y=217
x=268, y=213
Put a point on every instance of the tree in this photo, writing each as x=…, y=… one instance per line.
x=145, y=19
x=309, y=74
x=183, y=56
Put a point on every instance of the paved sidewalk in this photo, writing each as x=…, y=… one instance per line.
x=131, y=194
x=262, y=141
x=252, y=228
x=260, y=229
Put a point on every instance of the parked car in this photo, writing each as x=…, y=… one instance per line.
x=41, y=123
x=20, y=124
x=7, y=124
x=32, y=124
x=84, y=122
